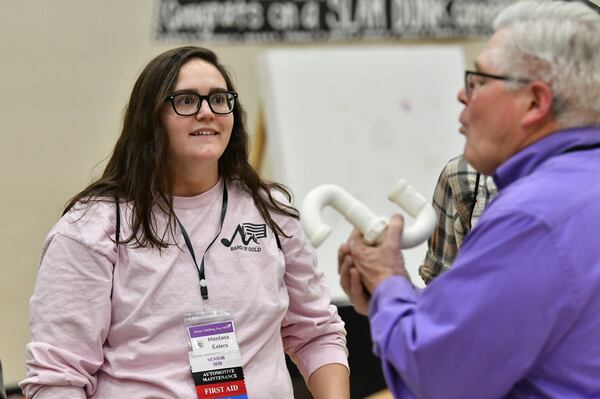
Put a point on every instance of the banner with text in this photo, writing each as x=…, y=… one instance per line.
x=262, y=21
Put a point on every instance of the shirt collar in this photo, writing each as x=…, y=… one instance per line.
x=527, y=160
x=201, y=200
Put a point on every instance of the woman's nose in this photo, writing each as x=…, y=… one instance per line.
x=204, y=111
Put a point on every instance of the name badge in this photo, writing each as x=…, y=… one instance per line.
x=215, y=358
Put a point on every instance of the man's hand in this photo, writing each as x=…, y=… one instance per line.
x=351, y=282
x=377, y=263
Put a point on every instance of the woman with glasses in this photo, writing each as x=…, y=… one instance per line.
x=178, y=258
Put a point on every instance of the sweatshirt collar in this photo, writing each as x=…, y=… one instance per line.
x=200, y=200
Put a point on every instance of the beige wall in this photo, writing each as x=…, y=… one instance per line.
x=66, y=69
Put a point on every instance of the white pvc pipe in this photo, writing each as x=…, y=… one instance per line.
x=416, y=205
x=353, y=210
x=360, y=216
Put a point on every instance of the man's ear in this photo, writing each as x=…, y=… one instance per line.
x=539, y=106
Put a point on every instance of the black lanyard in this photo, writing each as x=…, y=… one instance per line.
x=188, y=243
x=581, y=148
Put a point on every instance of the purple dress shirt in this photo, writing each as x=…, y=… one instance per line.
x=518, y=315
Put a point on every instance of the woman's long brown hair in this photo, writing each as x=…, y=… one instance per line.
x=139, y=171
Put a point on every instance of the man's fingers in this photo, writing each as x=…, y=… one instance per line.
x=356, y=286
x=344, y=271
x=343, y=251
x=355, y=239
x=360, y=298
x=356, y=244
x=395, y=229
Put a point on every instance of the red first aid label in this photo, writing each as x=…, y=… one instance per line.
x=222, y=390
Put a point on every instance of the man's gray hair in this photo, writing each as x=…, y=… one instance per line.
x=557, y=42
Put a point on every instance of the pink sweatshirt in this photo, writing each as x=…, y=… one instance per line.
x=108, y=324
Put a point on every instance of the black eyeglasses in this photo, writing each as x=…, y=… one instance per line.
x=187, y=104
x=475, y=79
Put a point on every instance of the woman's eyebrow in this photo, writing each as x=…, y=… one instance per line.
x=193, y=90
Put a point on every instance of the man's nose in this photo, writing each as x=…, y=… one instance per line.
x=462, y=96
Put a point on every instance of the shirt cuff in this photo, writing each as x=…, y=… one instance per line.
x=392, y=287
x=321, y=356
x=53, y=392
x=393, y=299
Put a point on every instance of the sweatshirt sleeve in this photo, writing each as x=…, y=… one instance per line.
x=313, y=333
x=70, y=309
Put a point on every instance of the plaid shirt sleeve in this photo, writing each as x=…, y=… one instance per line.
x=457, y=211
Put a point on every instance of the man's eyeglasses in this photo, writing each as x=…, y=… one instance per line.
x=187, y=104
x=475, y=79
